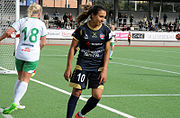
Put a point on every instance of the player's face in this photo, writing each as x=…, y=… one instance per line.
x=99, y=18
x=112, y=27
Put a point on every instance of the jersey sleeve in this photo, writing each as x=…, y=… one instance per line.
x=108, y=34
x=76, y=34
x=16, y=25
x=44, y=30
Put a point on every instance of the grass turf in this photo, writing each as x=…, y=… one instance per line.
x=132, y=71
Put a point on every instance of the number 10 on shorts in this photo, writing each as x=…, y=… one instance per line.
x=81, y=77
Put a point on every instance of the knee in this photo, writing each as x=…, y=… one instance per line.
x=97, y=96
x=77, y=92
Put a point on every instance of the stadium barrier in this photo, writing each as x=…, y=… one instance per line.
x=120, y=35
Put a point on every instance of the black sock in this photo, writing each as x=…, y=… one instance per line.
x=91, y=104
x=71, y=106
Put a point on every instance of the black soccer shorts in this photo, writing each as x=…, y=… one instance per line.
x=80, y=78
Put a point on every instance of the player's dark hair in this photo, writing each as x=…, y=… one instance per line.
x=87, y=12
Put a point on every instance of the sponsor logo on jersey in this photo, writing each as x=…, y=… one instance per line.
x=26, y=50
x=102, y=36
x=93, y=44
x=90, y=53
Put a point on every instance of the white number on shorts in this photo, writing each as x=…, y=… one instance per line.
x=81, y=78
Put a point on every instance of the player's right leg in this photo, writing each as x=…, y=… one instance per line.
x=111, y=51
x=129, y=41
x=73, y=101
x=78, y=82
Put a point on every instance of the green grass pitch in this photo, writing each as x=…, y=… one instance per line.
x=143, y=82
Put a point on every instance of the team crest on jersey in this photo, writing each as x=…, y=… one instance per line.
x=94, y=35
x=102, y=36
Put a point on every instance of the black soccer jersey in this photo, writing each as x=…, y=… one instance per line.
x=92, y=46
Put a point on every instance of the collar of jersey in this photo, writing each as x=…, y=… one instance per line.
x=94, y=28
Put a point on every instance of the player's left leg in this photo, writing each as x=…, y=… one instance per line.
x=91, y=103
x=97, y=90
x=25, y=70
x=16, y=88
x=129, y=41
x=22, y=88
x=24, y=75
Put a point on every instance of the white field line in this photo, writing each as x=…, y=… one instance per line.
x=148, y=68
x=84, y=99
x=120, y=59
x=4, y=69
x=136, y=95
x=141, y=61
x=161, y=51
x=5, y=115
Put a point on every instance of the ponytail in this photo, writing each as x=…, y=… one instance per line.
x=82, y=16
x=88, y=11
x=34, y=9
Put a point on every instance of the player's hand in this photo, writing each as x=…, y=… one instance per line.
x=103, y=77
x=67, y=74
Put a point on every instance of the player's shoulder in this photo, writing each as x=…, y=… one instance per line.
x=106, y=28
x=80, y=28
x=39, y=20
x=23, y=19
x=83, y=26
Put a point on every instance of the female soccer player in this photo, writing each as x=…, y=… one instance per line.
x=93, y=38
x=112, y=41
x=129, y=38
x=32, y=39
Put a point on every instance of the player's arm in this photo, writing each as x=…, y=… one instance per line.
x=43, y=42
x=115, y=38
x=7, y=33
x=103, y=75
x=67, y=72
